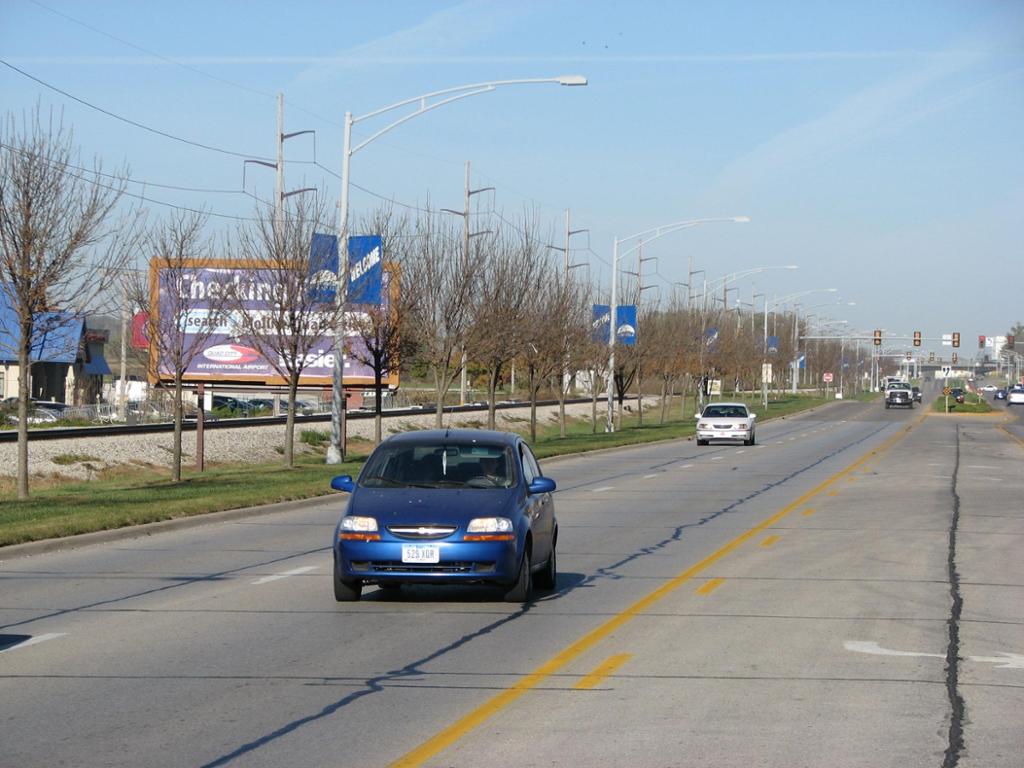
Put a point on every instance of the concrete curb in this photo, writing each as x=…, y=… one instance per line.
x=148, y=529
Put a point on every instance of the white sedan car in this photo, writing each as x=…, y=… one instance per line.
x=725, y=421
x=1015, y=396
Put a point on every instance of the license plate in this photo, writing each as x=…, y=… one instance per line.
x=421, y=553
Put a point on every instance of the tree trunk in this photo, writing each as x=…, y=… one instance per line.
x=664, y=399
x=533, y=403
x=24, y=366
x=492, y=393
x=561, y=408
x=639, y=397
x=593, y=403
x=378, y=407
x=176, y=451
x=289, y=420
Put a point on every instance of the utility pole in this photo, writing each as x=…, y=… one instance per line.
x=466, y=235
x=122, y=401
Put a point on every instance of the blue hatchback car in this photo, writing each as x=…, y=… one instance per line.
x=447, y=507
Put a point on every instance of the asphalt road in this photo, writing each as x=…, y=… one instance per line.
x=849, y=592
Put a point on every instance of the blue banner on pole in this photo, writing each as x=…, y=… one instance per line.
x=801, y=362
x=711, y=339
x=625, y=319
x=773, y=345
x=323, y=268
x=365, y=269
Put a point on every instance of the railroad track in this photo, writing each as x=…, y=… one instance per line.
x=63, y=433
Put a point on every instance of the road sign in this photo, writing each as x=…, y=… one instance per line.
x=946, y=390
x=826, y=377
x=947, y=339
x=910, y=356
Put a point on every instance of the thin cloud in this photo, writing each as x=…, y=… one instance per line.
x=881, y=108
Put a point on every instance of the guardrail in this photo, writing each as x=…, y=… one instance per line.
x=104, y=430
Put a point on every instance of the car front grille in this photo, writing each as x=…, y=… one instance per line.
x=395, y=566
x=421, y=532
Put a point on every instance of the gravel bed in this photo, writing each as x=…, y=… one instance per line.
x=249, y=444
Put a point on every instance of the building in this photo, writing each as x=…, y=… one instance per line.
x=67, y=362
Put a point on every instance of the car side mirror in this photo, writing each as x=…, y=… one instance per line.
x=753, y=415
x=541, y=485
x=343, y=483
x=696, y=415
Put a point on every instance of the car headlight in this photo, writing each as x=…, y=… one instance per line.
x=489, y=529
x=357, y=528
x=489, y=525
x=703, y=425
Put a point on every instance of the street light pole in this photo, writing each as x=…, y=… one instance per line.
x=648, y=235
x=336, y=450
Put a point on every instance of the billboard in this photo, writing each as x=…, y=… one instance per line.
x=222, y=351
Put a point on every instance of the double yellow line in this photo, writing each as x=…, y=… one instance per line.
x=453, y=733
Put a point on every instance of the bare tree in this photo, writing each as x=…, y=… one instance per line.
x=557, y=334
x=60, y=244
x=385, y=330
x=180, y=319
x=446, y=279
x=286, y=325
x=511, y=263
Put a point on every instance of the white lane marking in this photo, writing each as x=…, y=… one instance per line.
x=35, y=641
x=648, y=477
x=687, y=466
x=1002, y=661
x=936, y=464
x=603, y=488
x=285, y=575
x=980, y=466
x=716, y=458
x=740, y=451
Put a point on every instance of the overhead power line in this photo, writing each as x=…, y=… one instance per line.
x=128, y=121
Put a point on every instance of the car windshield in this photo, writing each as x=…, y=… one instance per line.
x=725, y=412
x=439, y=466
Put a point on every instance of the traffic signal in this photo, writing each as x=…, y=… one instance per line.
x=878, y=338
x=956, y=339
x=954, y=358
x=981, y=342
x=1009, y=341
x=917, y=338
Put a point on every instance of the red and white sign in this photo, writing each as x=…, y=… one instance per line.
x=826, y=377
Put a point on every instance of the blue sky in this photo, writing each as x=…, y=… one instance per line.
x=874, y=144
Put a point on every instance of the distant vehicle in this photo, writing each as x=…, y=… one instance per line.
x=1000, y=394
x=37, y=416
x=447, y=507
x=1015, y=396
x=302, y=407
x=957, y=394
x=725, y=421
x=12, y=404
x=916, y=392
x=989, y=388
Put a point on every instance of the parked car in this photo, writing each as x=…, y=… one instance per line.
x=445, y=507
x=1015, y=396
x=725, y=421
x=303, y=407
x=232, y=406
x=36, y=416
x=957, y=394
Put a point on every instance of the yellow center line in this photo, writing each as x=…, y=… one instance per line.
x=769, y=540
x=808, y=512
x=710, y=586
x=1010, y=434
x=603, y=670
x=468, y=723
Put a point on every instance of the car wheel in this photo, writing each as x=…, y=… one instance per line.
x=887, y=406
x=346, y=591
x=751, y=441
x=390, y=586
x=522, y=590
x=546, y=579
x=702, y=442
